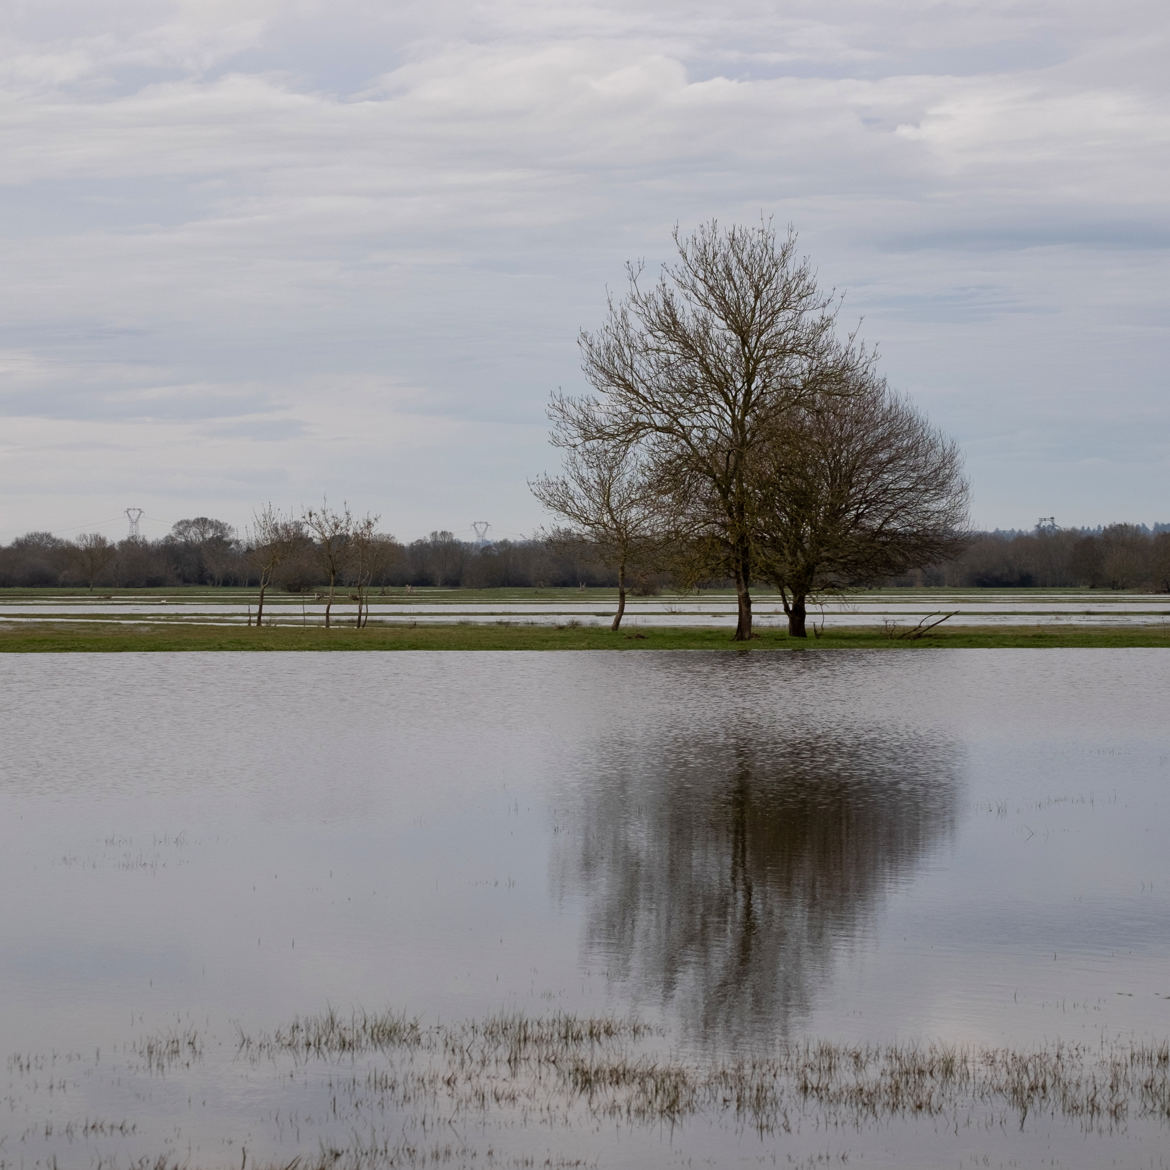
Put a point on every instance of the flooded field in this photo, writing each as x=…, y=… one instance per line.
x=983, y=608
x=583, y=909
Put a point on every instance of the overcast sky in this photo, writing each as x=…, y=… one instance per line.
x=275, y=250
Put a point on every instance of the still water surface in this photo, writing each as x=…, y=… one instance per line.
x=740, y=850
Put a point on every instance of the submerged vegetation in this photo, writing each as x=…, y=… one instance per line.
x=408, y=1094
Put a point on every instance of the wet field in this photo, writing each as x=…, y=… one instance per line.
x=903, y=608
x=586, y=909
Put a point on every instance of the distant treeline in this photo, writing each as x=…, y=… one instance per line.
x=203, y=551
x=1116, y=556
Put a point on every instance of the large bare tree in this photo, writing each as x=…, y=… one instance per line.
x=603, y=494
x=698, y=367
x=852, y=489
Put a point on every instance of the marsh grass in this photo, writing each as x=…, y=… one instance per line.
x=560, y=1063
x=176, y=1047
x=393, y=1091
x=329, y=1034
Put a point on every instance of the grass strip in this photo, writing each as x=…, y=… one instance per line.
x=91, y=637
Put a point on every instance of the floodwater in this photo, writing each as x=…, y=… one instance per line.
x=744, y=852
x=1031, y=607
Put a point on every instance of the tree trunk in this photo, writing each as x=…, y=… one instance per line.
x=260, y=607
x=795, y=606
x=796, y=616
x=621, y=609
x=743, y=597
x=743, y=622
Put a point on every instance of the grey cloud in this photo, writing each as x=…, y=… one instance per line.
x=978, y=304
x=263, y=430
x=319, y=228
x=1120, y=233
x=47, y=391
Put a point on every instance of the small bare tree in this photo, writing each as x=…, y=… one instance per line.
x=272, y=538
x=369, y=553
x=332, y=534
x=851, y=489
x=604, y=495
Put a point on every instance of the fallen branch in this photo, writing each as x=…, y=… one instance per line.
x=920, y=629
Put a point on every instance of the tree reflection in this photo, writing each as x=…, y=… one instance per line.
x=721, y=875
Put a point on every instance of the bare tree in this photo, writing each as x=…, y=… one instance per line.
x=200, y=529
x=1126, y=556
x=603, y=494
x=445, y=557
x=369, y=555
x=272, y=538
x=93, y=554
x=36, y=558
x=1160, y=562
x=332, y=533
x=141, y=564
x=852, y=489
x=203, y=548
x=699, y=368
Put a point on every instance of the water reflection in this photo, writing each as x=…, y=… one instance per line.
x=721, y=878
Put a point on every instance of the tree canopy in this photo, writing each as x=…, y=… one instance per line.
x=762, y=429
x=852, y=490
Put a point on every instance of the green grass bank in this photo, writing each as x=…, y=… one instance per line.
x=119, y=636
